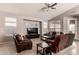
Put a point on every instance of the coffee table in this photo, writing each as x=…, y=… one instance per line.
x=44, y=50
x=48, y=37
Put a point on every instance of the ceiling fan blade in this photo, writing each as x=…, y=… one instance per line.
x=48, y=6
x=54, y=4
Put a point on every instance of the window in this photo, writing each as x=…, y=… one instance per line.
x=10, y=25
x=51, y=25
x=72, y=26
x=10, y=21
x=45, y=25
x=55, y=26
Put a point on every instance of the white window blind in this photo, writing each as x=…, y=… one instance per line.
x=10, y=25
x=10, y=21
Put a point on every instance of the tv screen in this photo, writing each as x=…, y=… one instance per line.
x=32, y=30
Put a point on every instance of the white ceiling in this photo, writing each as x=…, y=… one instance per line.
x=33, y=9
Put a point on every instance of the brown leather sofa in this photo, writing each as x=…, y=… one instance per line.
x=61, y=41
x=22, y=43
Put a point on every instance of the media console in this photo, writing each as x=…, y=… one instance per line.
x=29, y=36
x=32, y=33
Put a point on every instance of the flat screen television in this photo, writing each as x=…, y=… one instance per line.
x=32, y=30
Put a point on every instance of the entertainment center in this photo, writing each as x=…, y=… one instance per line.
x=32, y=33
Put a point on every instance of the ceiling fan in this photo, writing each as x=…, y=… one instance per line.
x=48, y=6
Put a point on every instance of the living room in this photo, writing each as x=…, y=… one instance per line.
x=30, y=21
